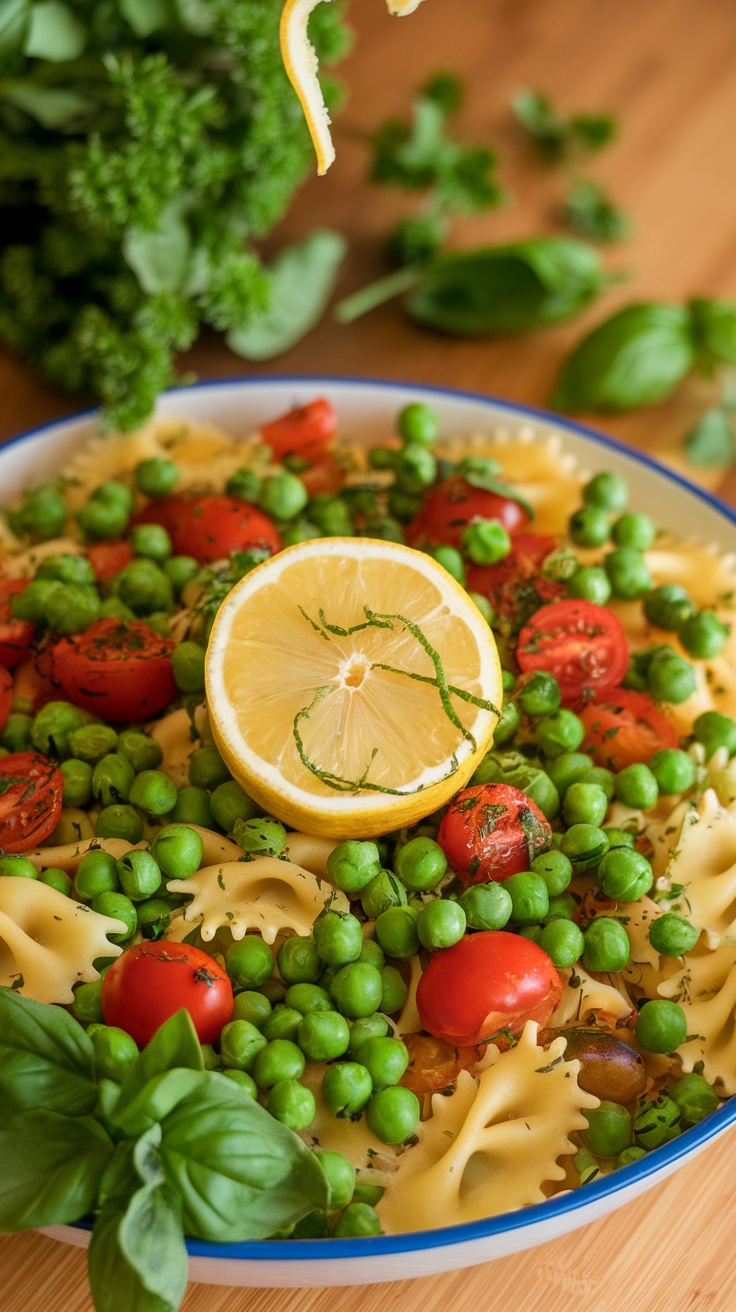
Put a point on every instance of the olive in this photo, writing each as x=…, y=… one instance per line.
x=609, y=1068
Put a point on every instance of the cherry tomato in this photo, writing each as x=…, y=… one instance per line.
x=16, y=635
x=210, y=527
x=323, y=476
x=624, y=727
x=30, y=800
x=452, y=505
x=583, y=645
x=120, y=670
x=30, y=689
x=6, y=696
x=150, y=982
x=305, y=431
x=107, y=558
x=487, y=982
x=434, y=1064
x=491, y=831
x=516, y=585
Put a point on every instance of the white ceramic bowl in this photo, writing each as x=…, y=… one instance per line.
x=367, y=410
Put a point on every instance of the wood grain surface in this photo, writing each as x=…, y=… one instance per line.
x=667, y=68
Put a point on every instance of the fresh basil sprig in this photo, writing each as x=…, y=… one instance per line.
x=174, y=1150
x=640, y=354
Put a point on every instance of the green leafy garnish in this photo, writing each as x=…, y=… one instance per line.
x=556, y=138
x=591, y=214
x=711, y=443
x=302, y=278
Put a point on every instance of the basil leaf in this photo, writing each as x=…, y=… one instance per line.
x=168, y=1069
x=240, y=1173
x=52, y=1167
x=155, y=1100
x=14, y=19
x=52, y=107
x=152, y=1241
x=636, y=357
x=145, y=16
x=54, y=33
x=159, y=258
x=714, y=329
x=46, y=1059
x=591, y=214
x=302, y=278
x=711, y=442
x=114, y=1283
x=512, y=288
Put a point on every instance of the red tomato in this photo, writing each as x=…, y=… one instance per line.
x=452, y=505
x=118, y=669
x=108, y=557
x=487, y=982
x=150, y=982
x=583, y=645
x=492, y=831
x=6, y=696
x=31, y=688
x=516, y=586
x=30, y=800
x=305, y=431
x=323, y=476
x=434, y=1064
x=16, y=635
x=624, y=727
x=210, y=527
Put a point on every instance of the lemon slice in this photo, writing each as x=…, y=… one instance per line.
x=352, y=686
x=300, y=62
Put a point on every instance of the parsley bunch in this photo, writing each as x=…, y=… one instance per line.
x=143, y=148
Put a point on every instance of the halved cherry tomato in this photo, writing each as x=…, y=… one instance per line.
x=492, y=831
x=210, y=527
x=583, y=645
x=30, y=687
x=516, y=585
x=306, y=431
x=30, y=800
x=624, y=727
x=452, y=505
x=434, y=1064
x=120, y=670
x=150, y=982
x=6, y=696
x=324, y=475
x=487, y=982
x=107, y=558
x=16, y=635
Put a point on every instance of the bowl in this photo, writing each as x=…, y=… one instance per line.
x=367, y=409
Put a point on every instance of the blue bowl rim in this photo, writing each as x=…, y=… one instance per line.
x=633, y=1177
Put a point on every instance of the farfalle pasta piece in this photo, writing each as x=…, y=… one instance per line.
x=645, y=968
x=705, y=988
x=67, y=856
x=583, y=994
x=490, y=1146
x=266, y=895
x=173, y=733
x=48, y=942
x=541, y=471
x=341, y=1135
x=702, y=870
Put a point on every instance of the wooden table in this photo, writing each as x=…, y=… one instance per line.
x=666, y=68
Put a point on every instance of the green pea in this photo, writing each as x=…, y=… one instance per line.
x=486, y=906
x=415, y=468
x=385, y=1058
x=382, y=892
x=715, y=730
x=703, y=635
x=77, y=785
x=31, y=603
x=140, y=749
x=207, y=768
x=590, y=583
x=538, y=693
x=245, y=485
x=100, y=519
x=58, y=879
x=210, y=1058
x=323, y=1035
x=113, y=608
x=624, y=874
x=450, y=559
x=609, y=1129
x=486, y=541
x=636, y=786
x=418, y=423
x=154, y=792
x=249, y=962
x=331, y=516
x=669, y=677
x=694, y=1097
x=18, y=866
x=628, y=573
x=16, y=736
x=555, y=869
x=392, y=1114
x=529, y=897
x=396, y=931
x=90, y=742
x=607, y=948
x=283, y=1023
x=668, y=606
x=292, y=1103
x=178, y=851
x=120, y=821
x=261, y=836
x=346, y=1088
x=672, y=935
x=300, y=530
x=584, y=803
x=584, y=846
x=340, y=1175
x=603, y=779
x=562, y=731
x=180, y=570
x=240, y=1044
x=187, y=663
x=299, y=961
x=154, y=917
x=632, y=1154
x=151, y=541
x=283, y=495
x=484, y=606
x=43, y=513
x=590, y=526
x=243, y=1080
x=53, y=724
x=279, y=1060
x=373, y=953
x=112, y=778
x=96, y=873
x=357, y=989
x=508, y=723
x=368, y=1193
x=156, y=477
x=440, y=924
x=113, y=492
x=114, y=1052
x=252, y=1006
x=139, y=874
x=608, y=490
x=656, y=1121
x=673, y=770
x=118, y=907
x=192, y=807
x=618, y=837
x=338, y=937
x=568, y=768
x=563, y=942
x=353, y=864
x=307, y=998
x=229, y=802
x=86, y=1004
x=394, y=991
x=635, y=530
x=661, y=1026
x=374, y=1026
x=144, y=586
x=420, y=864
x=357, y=1220
x=403, y=505
x=561, y=907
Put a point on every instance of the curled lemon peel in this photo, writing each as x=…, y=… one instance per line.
x=302, y=68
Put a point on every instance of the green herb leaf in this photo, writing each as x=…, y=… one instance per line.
x=145, y=16
x=46, y=1059
x=159, y=258
x=637, y=357
x=15, y=17
x=302, y=278
x=555, y=137
x=116, y=1283
x=513, y=288
x=240, y=1173
x=52, y=1166
x=151, y=1240
x=711, y=443
x=590, y=213
x=55, y=33
x=52, y=107
x=168, y=1069
x=714, y=330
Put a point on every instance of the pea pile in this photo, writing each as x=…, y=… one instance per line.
x=328, y=1002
